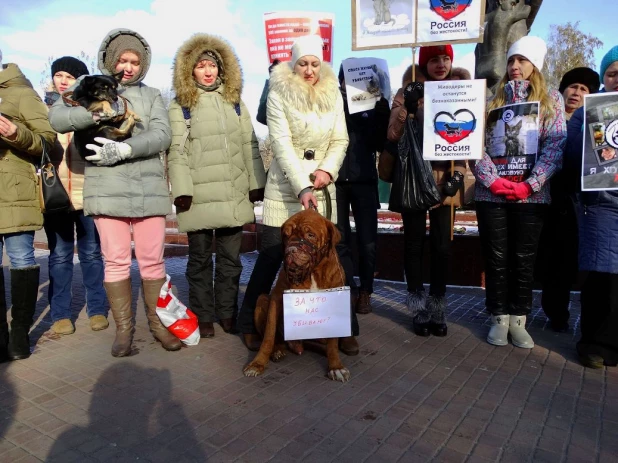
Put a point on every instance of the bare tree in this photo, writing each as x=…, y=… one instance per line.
x=568, y=48
x=167, y=93
x=266, y=151
x=506, y=21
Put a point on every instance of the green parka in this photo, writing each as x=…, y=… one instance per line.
x=137, y=186
x=20, y=209
x=220, y=161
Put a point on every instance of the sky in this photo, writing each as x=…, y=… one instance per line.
x=33, y=31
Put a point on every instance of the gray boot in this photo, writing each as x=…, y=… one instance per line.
x=436, y=305
x=499, y=331
x=519, y=335
x=416, y=303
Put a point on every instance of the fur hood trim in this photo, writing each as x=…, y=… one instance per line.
x=187, y=92
x=302, y=96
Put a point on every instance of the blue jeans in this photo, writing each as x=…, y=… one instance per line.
x=60, y=230
x=19, y=247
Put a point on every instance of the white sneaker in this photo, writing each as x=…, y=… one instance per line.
x=519, y=335
x=499, y=331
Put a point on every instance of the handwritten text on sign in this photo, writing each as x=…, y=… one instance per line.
x=316, y=314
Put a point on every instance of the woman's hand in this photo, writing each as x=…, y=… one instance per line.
x=7, y=128
x=309, y=201
x=322, y=179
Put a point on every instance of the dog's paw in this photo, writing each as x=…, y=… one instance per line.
x=253, y=369
x=277, y=355
x=342, y=374
x=296, y=347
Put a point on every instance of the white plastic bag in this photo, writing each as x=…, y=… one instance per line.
x=176, y=317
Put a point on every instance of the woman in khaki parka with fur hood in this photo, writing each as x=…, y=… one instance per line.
x=216, y=172
x=435, y=63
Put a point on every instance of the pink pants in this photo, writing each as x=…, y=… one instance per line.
x=149, y=238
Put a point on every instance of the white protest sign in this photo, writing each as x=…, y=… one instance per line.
x=448, y=20
x=366, y=81
x=454, y=115
x=316, y=314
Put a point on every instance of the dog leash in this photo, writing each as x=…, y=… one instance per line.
x=328, y=206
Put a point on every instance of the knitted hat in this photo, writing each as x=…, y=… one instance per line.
x=608, y=59
x=427, y=53
x=584, y=76
x=307, y=45
x=70, y=65
x=121, y=44
x=530, y=47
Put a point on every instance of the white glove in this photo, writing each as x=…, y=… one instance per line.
x=110, y=153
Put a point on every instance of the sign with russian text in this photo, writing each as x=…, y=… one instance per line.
x=409, y=23
x=366, y=81
x=448, y=20
x=316, y=314
x=284, y=27
x=454, y=117
x=512, y=139
x=600, y=150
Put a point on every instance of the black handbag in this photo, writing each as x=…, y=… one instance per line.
x=54, y=198
x=414, y=187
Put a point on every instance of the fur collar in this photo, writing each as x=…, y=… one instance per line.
x=302, y=96
x=187, y=92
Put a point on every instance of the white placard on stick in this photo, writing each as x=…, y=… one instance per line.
x=366, y=81
x=317, y=314
x=448, y=20
x=454, y=126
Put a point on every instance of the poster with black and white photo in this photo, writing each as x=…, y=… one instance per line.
x=366, y=81
x=383, y=24
x=511, y=139
x=600, y=150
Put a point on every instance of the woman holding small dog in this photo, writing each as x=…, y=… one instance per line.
x=125, y=186
x=216, y=173
x=62, y=228
x=307, y=128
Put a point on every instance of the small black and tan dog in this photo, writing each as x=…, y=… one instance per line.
x=97, y=94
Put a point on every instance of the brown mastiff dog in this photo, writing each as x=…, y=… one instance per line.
x=310, y=262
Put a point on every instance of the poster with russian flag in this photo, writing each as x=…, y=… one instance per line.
x=454, y=119
x=449, y=21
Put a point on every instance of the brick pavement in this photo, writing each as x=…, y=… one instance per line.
x=410, y=399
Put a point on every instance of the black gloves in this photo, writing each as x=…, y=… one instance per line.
x=272, y=66
x=183, y=203
x=453, y=184
x=256, y=195
x=411, y=94
x=382, y=107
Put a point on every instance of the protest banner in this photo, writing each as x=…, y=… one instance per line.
x=449, y=21
x=366, y=81
x=284, y=27
x=411, y=23
x=600, y=150
x=454, y=119
x=316, y=314
x=512, y=139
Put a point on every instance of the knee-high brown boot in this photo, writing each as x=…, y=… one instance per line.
x=151, y=295
x=119, y=296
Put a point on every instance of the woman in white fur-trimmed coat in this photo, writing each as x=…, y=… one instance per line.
x=307, y=128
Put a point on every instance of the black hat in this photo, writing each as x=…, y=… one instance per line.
x=584, y=76
x=71, y=65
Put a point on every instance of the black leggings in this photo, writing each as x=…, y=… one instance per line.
x=414, y=235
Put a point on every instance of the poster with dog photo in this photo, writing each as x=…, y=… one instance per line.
x=600, y=150
x=511, y=139
x=383, y=24
x=449, y=21
x=454, y=119
x=366, y=81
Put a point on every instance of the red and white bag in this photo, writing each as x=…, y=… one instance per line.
x=176, y=317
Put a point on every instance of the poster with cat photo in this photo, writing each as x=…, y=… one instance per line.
x=511, y=139
x=366, y=81
x=600, y=150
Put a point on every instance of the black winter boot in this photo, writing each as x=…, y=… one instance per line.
x=436, y=305
x=4, y=327
x=24, y=294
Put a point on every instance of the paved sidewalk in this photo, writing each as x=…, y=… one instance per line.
x=410, y=399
